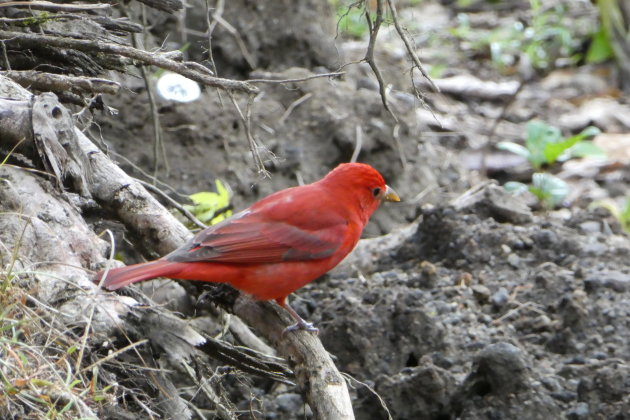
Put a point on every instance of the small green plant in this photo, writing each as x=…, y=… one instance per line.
x=622, y=214
x=550, y=190
x=211, y=207
x=544, y=145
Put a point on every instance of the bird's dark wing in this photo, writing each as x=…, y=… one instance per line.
x=287, y=226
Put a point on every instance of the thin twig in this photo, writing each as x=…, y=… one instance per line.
x=495, y=124
x=294, y=105
x=88, y=326
x=374, y=27
x=212, y=24
x=350, y=378
x=358, y=144
x=410, y=48
x=222, y=411
x=146, y=174
x=174, y=203
x=159, y=151
x=299, y=79
x=253, y=145
x=115, y=354
x=239, y=40
x=521, y=306
x=399, y=146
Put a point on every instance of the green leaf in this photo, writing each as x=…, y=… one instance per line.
x=514, y=148
x=516, y=187
x=587, y=149
x=539, y=135
x=554, y=151
x=549, y=189
x=589, y=131
x=207, y=204
x=600, y=49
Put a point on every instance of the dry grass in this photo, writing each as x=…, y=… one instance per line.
x=38, y=356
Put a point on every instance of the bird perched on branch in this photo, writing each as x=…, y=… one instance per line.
x=277, y=245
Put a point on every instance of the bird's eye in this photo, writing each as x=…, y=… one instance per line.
x=376, y=191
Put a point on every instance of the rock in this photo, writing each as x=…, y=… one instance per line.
x=564, y=395
x=420, y=392
x=289, y=402
x=578, y=412
x=481, y=293
x=609, y=279
x=514, y=260
x=591, y=226
x=500, y=298
x=499, y=369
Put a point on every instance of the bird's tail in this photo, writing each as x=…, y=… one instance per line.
x=123, y=276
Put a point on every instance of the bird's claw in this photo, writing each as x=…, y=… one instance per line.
x=301, y=325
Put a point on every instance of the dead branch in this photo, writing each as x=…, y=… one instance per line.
x=168, y=6
x=45, y=133
x=266, y=77
x=59, y=83
x=29, y=40
x=316, y=373
x=47, y=5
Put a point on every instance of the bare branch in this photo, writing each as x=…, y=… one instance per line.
x=62, y=83
x=47, y=5
x=169, y=6
x=374, y=27
x=294, y=105
x=299, y=79
x=325, y=388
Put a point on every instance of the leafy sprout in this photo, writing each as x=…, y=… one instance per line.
x=211, y=207
x=550, y=190
x=544, y=145
x=622, y=214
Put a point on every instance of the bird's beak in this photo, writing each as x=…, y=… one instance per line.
x=390, y=194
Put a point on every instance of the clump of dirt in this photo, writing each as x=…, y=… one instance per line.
x=473, y=318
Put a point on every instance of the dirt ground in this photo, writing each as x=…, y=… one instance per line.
x=487, y=310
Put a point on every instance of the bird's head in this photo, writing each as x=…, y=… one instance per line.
x=361, y=184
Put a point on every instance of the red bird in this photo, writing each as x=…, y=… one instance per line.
x=280, y=243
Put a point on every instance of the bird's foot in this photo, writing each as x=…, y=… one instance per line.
x=301, y=325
